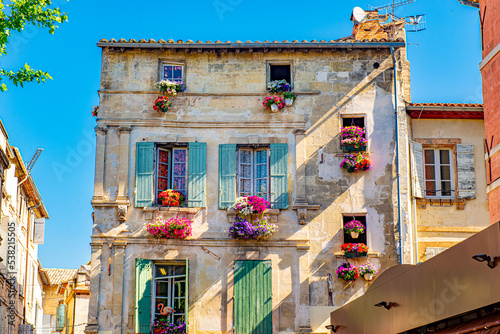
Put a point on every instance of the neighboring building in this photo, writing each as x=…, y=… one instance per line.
x=21, y=231
x=449, y=174
x=489, y=12
x=66, y=300
x=218, y=121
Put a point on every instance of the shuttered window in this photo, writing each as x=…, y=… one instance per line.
x=259, y=171
x=170, y=166
x=159, y=289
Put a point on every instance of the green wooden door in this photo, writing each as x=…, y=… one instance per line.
x=252, y=297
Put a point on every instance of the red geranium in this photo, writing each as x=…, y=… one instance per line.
x=171, y=197
x=162, y=104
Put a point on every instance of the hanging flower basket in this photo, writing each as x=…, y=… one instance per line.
x=355, y=228
x=170, y=87
x=260, y=229
x=95, y=111
x=162, y=104
x=289, y=98
x=354, y=250
x=356, y=162
x=353, y=139
x=367, y=271
x=274, y=103
x=347, y=272
x=173, y=228
x=171, y=197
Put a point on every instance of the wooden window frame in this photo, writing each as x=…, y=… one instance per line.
x=253, y=169
x=279, y=62
x=170, y=148
x=163, y=63
x=437, y=170
x=171, y=282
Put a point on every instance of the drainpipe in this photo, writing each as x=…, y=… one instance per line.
x=400, y=253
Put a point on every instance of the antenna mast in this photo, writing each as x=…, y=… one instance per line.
x=34, y=159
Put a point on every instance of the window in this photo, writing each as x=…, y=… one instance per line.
x=178, y=166
x=280, y=72
x=354, y=121
x=438, y=172
x=169, y=290
x=260, y=170
x=172, y=169
x=362, y=236
x=172, y=72
x=253, y=172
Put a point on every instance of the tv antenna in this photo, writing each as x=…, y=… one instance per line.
x=33, y=159
x=413, y=23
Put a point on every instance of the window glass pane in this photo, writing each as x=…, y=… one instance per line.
x=179, y=270
x=161, y=289
x=245, y=157
x=161, y=271
x=261, y=186
x=444, y=157
x=245, y=186
x=177, y=73
x=178, y=318
x=429, y=156
x=180, y=289
x=445, y=173
x=167, y=72
x=429, y=173
x=261, y=171
x=180, y=155
x=179, y=169
x=261, y=157
x=446, y=188
x=430, y=188
x=180, y=184
x=246, y=171
x=179, y=305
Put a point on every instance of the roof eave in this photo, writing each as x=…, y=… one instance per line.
x=208, y=46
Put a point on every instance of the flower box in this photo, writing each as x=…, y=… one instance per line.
x=351, y=255
x=259, y=229
x=353, y=148
x=173, y=228
x=356, y=162
x=171, y=197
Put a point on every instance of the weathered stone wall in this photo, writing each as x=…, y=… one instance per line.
x=223, y=104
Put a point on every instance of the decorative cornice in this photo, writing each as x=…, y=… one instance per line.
x=203, y=124
x=125, y=128
x=101, y=129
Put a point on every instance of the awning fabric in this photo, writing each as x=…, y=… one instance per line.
x=489, y=324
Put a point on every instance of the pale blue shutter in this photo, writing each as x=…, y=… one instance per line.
x=197, y=177
x=227, y=175
x=465, y=170
x=144, y=174
x=279, y=176
x=142, y=312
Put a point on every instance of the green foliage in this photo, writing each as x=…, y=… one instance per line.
x=15, y=16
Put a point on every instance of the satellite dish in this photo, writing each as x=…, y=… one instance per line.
x=358, y=14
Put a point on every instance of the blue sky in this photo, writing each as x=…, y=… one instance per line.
x=56, y=115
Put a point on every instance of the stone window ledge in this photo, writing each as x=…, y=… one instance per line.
x=370, y=254
x=170, y=212
x=271, y=213
x=343, y=154
x=444, y=202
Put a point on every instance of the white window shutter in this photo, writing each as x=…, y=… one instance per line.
x=417, y=170
x=465, y=172
x=39, y=231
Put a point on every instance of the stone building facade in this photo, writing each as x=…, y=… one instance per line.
x=21, y=231
x=338, y=83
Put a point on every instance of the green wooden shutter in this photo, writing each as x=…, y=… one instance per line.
x=252, y=297
x=279, y=176
x=197, y=177
x=227, y=175
x=144, y=174
x=143, y=277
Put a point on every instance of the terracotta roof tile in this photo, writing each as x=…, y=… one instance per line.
x=57, y=276
x=445, y=105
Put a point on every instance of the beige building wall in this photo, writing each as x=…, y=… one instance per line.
x=223, y=104
x=441, y=225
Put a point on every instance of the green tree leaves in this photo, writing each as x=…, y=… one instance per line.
x=15, y=16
